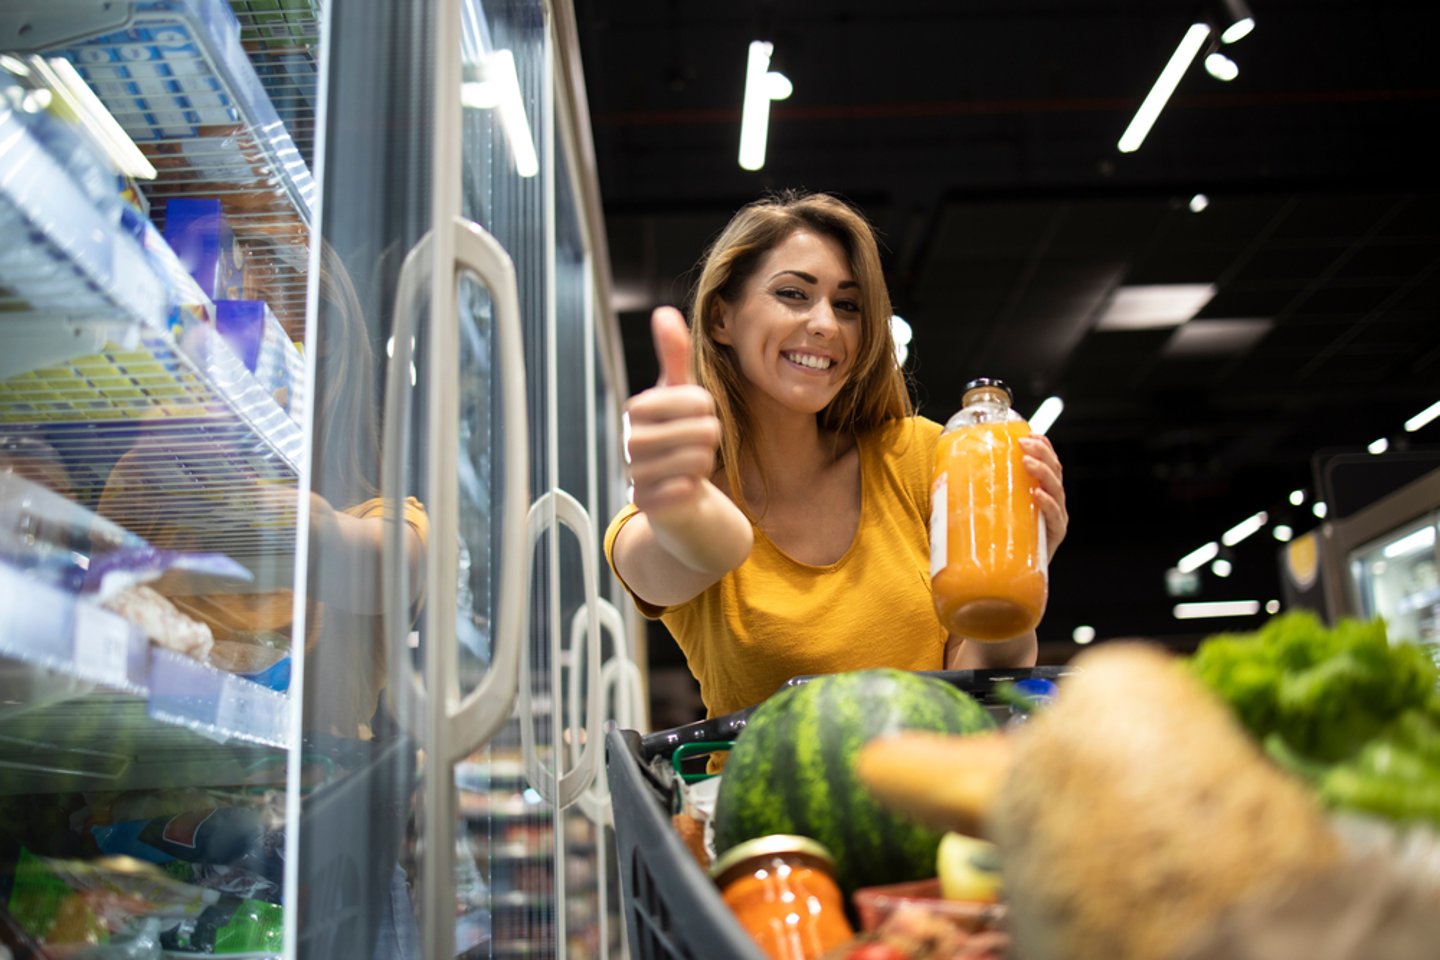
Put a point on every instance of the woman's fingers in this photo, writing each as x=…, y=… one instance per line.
x=1043, y=464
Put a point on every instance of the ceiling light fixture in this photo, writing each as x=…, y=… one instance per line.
x=1244, y=529
x=1165, y=85
x=1237, y=20
x=1216, y=608
x=1272, y=607
x=1422, y=539
x=1046, y=414
x=1221, y=67
x=1148, y=307
x=1083, y=634
x=1297, y=497
x=1423, y=417
x=1283, y=532
x=1197, y=558
x=761, y=86
x=1199, y=202
x=1319, y=509
x=901, y=334
x=1378, y=447
x=1221, y=567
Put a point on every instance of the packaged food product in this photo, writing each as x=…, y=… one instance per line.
x=256, y=337
x=988, y=560
x=196, y=229
x=162, y=622
x=782, y=889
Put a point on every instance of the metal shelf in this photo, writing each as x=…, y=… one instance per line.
x=52, y=630
x=179, y=78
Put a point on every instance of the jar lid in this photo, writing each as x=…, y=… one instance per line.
x=776, y=844
x=988, y=383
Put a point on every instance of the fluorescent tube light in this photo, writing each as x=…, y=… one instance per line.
x=1422, y=539
x=1244, y=529
x=1216, y=608
x=755, y=109
x=1423, y=417
x=1196, y=559
x=1152, y=306
x=1378, y=447
x=1165, y=85
x=1046, y=414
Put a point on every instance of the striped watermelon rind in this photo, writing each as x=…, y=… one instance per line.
x=791, y=770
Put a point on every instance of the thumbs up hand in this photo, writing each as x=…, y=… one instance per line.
x=673, y=428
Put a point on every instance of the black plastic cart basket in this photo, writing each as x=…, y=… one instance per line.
x=673, y=911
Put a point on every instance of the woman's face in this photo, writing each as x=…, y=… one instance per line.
x=796, y=327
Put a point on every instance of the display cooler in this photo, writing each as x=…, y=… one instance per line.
x=309, y=410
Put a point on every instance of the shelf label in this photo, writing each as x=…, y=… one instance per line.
x=102, y=646
x=249, y=710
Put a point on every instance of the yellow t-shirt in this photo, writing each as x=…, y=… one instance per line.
x=773, y=617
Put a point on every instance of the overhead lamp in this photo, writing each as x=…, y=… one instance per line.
x=494, y=84
x=1221, y=567
x=900, y=335
x=1236, y=21
x=1046, y=414
x=1216, y=608
x=1150, y=306
x=1165, y=85
x=1423, y=417
x=1283, y=532
x=1272, y=607
x=1221, y=67
x=1244, y=528
x=761, y=86
x=1319, y=509
x=1378, y=447
x=1422, y=539
x=1083, y=634
x=1198, y=557
x=1199, y=202
x=1297, y=497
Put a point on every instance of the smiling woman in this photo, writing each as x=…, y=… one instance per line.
x=782, y=481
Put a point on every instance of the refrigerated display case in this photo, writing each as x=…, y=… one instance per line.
x=1390, y=555
x=309, y=409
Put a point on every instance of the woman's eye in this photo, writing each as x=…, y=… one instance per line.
x=847, y=306
x=790, y=293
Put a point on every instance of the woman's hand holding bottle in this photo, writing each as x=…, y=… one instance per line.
x=1043, y=465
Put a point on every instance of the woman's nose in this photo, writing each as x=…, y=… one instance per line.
x=822, y=320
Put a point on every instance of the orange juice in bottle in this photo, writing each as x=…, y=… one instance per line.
x=988, y=564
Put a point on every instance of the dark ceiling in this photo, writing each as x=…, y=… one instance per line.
x=980, y=138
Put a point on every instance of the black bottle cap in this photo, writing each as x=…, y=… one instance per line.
x=990, y=383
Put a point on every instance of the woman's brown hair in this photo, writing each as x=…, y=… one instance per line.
x=876, y=390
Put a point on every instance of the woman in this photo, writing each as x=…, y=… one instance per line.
x=782, y=483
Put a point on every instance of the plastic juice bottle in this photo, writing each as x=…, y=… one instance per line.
x=988, y=563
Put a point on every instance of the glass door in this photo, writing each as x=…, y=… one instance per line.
x=1395, y=578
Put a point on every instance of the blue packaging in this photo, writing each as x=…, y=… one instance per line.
x=198, y=232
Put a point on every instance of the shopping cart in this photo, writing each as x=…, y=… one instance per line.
x=673, y=911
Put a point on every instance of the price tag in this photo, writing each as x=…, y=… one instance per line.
x=102, y=646
x=235, y=712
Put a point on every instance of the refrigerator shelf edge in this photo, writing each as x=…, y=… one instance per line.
x=39, y=198
x=49, y=628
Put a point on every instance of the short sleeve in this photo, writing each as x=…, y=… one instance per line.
x=649, y=610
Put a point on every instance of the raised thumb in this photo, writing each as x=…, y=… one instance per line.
x=672, y=346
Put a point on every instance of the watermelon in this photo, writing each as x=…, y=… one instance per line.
x=791, y=770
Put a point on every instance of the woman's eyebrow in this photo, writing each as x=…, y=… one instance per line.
x=808, y=278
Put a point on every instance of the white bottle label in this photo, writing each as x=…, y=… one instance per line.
x=939, y=527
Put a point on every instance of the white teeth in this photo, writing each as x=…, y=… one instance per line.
x=806, y=360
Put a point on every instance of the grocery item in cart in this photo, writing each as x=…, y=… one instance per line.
x=782, y=890
x=987, y=538
x=791, y=770
x=1135, y=788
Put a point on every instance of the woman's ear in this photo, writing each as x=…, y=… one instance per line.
x=720, y=328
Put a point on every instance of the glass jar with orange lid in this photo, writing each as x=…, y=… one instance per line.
x=988, y=561
x=782, y=889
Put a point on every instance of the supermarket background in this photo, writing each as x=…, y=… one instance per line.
x=981, y=139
